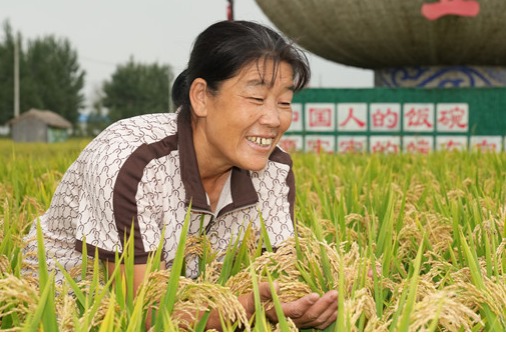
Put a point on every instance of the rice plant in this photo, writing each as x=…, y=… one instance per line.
x=410, y=242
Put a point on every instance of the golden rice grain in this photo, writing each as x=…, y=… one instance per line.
x=17, y=296
x=443, y=306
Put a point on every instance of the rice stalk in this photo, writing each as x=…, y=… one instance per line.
x=18, y=299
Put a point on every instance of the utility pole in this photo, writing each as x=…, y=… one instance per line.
x=230, y=10
x=16, y=76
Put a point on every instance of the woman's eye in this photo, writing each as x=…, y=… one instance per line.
x=257, y=99
x=285, y=104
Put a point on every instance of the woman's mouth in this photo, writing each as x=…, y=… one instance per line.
x=261, y=141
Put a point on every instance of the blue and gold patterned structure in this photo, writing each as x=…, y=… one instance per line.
x=440, y=76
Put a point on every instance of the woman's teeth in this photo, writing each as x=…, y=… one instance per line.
x=260, y=141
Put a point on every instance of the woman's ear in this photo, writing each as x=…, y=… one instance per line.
x=198, y=97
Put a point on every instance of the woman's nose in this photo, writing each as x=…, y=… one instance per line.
x=270, y=116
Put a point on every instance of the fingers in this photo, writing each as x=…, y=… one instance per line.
x=298, y=308
x=295, y=309
x=313, y=311
x=248, y=300
x=329, y=315
x=310, y=311
x=265, y=290
x=323, y=313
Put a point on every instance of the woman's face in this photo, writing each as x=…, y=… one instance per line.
x=247, y=116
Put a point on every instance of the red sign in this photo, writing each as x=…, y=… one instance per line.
x=320, y=117
x=388, y=119
x=435, y=10
x=287, y=144
x=384, y=147
x=418, y=146
x=453, y=118
x=486, y=145
x=318, y=145
x=351, y=146
x=418, y=117
x=352, y=118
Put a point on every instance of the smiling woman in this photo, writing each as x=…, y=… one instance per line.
x=218, y=153
x=251, y=113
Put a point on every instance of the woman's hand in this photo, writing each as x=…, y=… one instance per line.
x=310, y=311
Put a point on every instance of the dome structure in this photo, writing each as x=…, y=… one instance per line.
x=409, y=34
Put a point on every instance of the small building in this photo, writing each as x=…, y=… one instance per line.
x=39, y=126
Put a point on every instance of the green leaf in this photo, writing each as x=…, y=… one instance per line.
x=46, y=284
x=283, y=324
x=407, y=309
x=167, y=303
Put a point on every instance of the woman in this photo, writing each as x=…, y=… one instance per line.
x=218, y=151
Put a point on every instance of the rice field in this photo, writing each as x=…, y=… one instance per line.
x=411, y=243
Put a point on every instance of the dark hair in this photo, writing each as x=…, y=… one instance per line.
x=220, y=51
x=179, y=89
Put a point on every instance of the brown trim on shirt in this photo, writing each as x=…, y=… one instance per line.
x=190, y=174
x=107, y=255
x=284, y=158
x=242, y=190
x=125, y=190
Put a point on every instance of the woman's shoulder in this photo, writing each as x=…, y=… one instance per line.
x=141, y=129
x=116, y=143
x=163, y=123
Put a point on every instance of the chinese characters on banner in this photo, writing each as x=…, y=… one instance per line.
x=352, y=144
x=295, y=142
x=384, y=128
x=318, y=144
x=320, y=117
x=419, y=117
x=452, y=117
x=385, y=117
x=352, y=117
x=488, y=143
x=418, y=144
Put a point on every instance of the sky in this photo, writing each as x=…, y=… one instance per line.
x=106, y=33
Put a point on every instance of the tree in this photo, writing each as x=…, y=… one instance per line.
x=56, y=80
x=137, y=89
x=7, y=73
x=50, y=76
x=98, y=118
